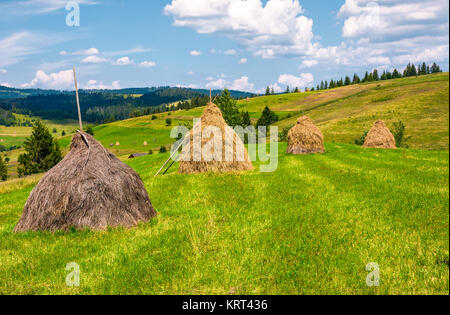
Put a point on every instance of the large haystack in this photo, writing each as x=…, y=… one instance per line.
x=89, y=188
x=194, y=162
x=380, y=137
x=305, y=138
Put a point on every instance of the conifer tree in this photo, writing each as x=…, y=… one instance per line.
x=3, y=169
x=42, y=152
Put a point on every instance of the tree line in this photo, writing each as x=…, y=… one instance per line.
x=410, y=71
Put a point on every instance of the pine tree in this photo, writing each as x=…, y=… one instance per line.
x=413, y=70
x=268, y=91
x=366, y=77
x=288, y=90
x=326, y=85
x=384, y=76
x=396, y=74
x=268, y=117
x=375, y=75
x=3, y=169
x=347, y=80
x=296, y=90
x=229, y=108
x=322, y=85
x=388, y=75
x=42, y=152
x=356, y=79
x=272, y=91
x=245, y=119
x=423, y=69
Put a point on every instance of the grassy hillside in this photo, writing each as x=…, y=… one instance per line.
x=311, y=227
x=343, y=114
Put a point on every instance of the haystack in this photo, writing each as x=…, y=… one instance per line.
x=380, y=137
x=230, y=143
x=89, y=188
x=305, y=138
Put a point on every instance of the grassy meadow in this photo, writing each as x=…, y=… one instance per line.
x=310, y=227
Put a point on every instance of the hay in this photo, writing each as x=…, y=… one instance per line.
x=117, y=143
x=305, y=138
x=380, y=137
x=89, y=188
x=212, y=116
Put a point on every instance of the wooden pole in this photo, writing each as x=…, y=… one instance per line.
x=170, y=158
x=78, y=100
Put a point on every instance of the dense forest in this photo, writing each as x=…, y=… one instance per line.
x=105, y=105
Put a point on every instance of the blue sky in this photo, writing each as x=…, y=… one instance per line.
x=239, y=44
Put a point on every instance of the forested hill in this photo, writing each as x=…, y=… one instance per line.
x=100, y=106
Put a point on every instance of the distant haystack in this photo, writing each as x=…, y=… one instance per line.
x=230, y=143
x=380, y=137
x=117, y=143
x=145, y=143
x=305, y=138
x=89, y=188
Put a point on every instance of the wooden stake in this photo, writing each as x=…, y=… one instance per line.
x=78, y=100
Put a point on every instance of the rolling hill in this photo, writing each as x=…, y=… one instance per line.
x=310, y=227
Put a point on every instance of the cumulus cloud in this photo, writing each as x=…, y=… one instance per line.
x=124, y=61
x=242, y=84
x=94, y=59
x=304, y=80
x=268, y=30
x=386, y=18
x=56, y=80
x=195, y=53
x=308, y=63
x=3, y=71
x=94, y=85
x=5, y=84
x=147, y=64
x=217, y=84
x=243, y=61
x=37, y=6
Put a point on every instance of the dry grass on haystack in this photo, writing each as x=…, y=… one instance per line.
x=305, y=138
x=380, y=137
x=229, y=142
x=89, y=188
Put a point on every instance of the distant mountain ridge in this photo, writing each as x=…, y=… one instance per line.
x=10, y=92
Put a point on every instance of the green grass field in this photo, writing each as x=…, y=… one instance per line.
x=311, y=227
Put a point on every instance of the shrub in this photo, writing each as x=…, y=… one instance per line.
x=154, y=117
x=362, y=138
x=89, y=130
x=3, y=169
x=63, y=133
x=283, y=137
x=168, y=122
x=163, y=149
x=398, y=130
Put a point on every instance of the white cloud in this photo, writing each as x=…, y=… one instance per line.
x=277, y=28
x=5, y=84
x=308, y=64
x=276, y=88
x=230, y=52
x=387, y=18
x=242, y=61
x=17, y=46
x=195, y=53
x=3, y=71
x=94, y=85
x=218, y=84
x=37, y=6
x=94, y=59
x=63, y=53
x=242, y=84
x=147, y=64
x=305, y=80
x=57, y=80
x=190, y=73
x=124, y=61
